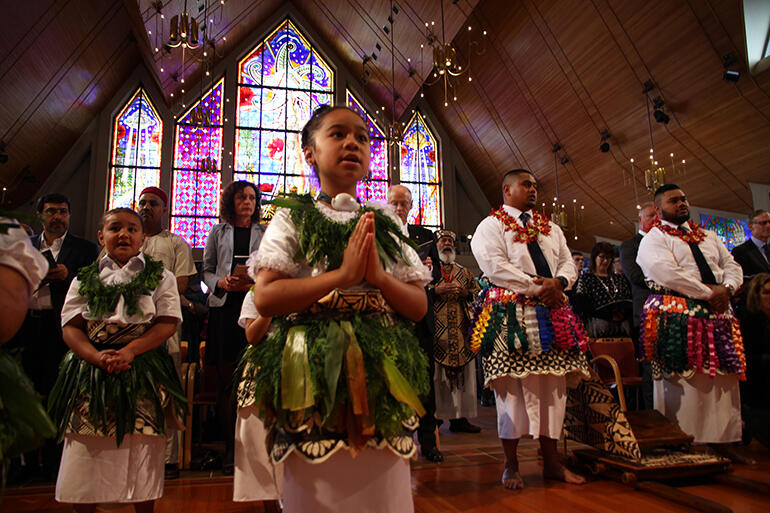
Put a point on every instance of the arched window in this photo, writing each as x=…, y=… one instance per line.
x=420, y=172
x=137, y=136
x=280, y=83
x=198, y=168
x=376, y=186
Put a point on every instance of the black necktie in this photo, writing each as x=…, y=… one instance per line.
x=766, y=251
x=706, y=274
x=538, y=258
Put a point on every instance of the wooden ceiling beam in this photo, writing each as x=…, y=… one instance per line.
x=142, y=41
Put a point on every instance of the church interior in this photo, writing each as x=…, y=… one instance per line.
x=603, y=101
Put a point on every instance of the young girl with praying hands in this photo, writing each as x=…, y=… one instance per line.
x=338, y=377
x=117, y=387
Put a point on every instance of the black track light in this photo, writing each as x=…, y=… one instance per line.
x=659, y=115
x=604, y=147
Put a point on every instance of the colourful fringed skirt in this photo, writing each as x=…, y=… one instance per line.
x=683, y=336
x=518, y=336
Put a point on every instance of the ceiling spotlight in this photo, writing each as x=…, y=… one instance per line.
x=658, y=114
x=729, y=61
x=604, y=147
x=731, y=76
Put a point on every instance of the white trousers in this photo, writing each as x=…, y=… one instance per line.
x=375, y=481
x=460, y=402
x=533, y=405
x=253, y=479
x=707, y=408
x=94, y=470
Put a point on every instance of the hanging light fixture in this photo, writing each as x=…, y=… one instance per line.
x=394, y=131
x=655, y=172
x=445, y=61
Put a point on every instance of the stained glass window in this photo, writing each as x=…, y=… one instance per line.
x=280, y=83
x=197, y=168
x=375, y=188
x=136, y=144
x=732, y=232
x=420, y=172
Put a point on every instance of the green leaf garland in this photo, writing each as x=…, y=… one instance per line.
x=102, y=299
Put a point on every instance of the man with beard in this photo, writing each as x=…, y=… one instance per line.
x=454, y=377
x=176, y=255
x=639, y=290
x=40, y=336
x=696, y=349
x=400, y=198
x=528, y=337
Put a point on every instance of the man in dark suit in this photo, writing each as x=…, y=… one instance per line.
x=40, y=338
x=754, y=255
x=401, y=199
x=639, y=289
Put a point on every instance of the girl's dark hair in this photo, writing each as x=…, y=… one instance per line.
x=120, y=210
x=601, y=248
x=311, y=127
x=753, y=301
x=227, y=202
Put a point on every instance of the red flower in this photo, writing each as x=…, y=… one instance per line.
x=266, y=187
x=155, y=137
x=121, y=132
x=275, y=147
x=404, y=152
x=432, y=155
x=247, y=95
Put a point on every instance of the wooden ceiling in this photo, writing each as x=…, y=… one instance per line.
x=552, y=71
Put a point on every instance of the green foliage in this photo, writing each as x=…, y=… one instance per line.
x=379, y=340
x=102, y=299
x=324, y=240
x=115, y=396
x=23, y=420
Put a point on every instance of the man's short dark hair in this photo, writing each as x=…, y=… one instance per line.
x=756, y=214
x=575, y=252
x=513, y=172
x=664, y=189
x=54, y=197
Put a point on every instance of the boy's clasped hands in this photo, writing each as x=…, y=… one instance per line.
x=115, y=361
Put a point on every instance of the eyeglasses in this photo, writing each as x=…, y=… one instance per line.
x=761, y=223
x=54, y=211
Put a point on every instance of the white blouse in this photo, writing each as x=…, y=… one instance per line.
x=164, y=301
x=18, y=253
x=248, y=310
x=280, y=244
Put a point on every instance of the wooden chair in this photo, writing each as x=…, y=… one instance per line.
x=615, y=362
x=200, y=388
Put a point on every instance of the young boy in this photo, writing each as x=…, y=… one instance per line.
x=116, y=386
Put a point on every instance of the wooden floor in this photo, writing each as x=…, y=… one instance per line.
x=467, y=481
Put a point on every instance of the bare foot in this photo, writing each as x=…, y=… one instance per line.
x=562, y=473
x=512, y=479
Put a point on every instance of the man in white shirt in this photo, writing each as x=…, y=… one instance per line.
x=526, y=258
x=692, y=277
x=176, y=255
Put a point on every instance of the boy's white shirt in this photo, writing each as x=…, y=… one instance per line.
x=163, y=302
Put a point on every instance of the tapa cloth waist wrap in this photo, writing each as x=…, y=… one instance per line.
x=88, y=400
x=346, y=373
x=683, y=336
x=518, y=335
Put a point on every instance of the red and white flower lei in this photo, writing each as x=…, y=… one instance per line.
x=696, y=233
x=539, y=224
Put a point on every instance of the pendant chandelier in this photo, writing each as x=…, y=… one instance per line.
x=446, y=63
x=653, y=170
